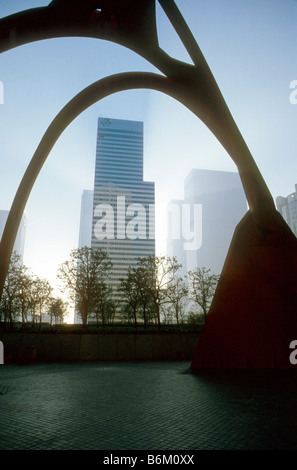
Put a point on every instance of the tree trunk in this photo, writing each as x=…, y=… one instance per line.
x=84, y=315
x=176, y=314
x=10, y=315
x=158, y=315
x=144, y=315
x=135, y=315
x=23, y=314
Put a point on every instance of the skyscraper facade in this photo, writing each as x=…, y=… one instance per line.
x=123, y=219
x=287, y=206
x=214, y=202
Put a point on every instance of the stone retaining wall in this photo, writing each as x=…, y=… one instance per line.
x=98, y=347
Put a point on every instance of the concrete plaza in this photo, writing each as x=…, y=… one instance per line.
x=145, y=406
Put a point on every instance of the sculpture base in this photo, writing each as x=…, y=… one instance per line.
x=253, y=316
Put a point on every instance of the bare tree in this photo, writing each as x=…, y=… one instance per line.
x=203, y=283
x=103, y=306
x=158, y=272
x=57, y=309
x=23, y=293
x=83, y=275
x=130, y=296
x=177, y=294
x=10, y=302
x=25, y=286
x=44, y=291
x=144, y=294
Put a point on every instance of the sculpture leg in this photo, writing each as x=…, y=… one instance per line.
x=253, y=317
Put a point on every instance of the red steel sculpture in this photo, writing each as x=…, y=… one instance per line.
x=253, y=316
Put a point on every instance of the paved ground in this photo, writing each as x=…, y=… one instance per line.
x=145, y=406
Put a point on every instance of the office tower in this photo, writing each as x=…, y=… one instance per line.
x=175, y=239
x=123, y=204
x=214, y=203
x=287, y=206
x=19, y=245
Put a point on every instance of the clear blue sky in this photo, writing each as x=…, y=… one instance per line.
x=250, y=46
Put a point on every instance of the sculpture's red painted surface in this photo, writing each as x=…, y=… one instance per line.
x=253, y=317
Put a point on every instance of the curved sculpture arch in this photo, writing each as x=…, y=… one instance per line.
x=83, y=100
x=133, y=25
x=253, y=314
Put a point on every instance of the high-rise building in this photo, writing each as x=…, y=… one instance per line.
x=119, y=214
x=204, y=222
x=19, y=245
x=287, y=206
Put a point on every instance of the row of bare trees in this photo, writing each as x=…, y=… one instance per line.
x=155, y=288
x=152, y=290
x=28, y=298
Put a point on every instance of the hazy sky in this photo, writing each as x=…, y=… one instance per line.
x=250, y=46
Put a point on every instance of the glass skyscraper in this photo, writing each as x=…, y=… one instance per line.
x=222, y=202
x=123, y=222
